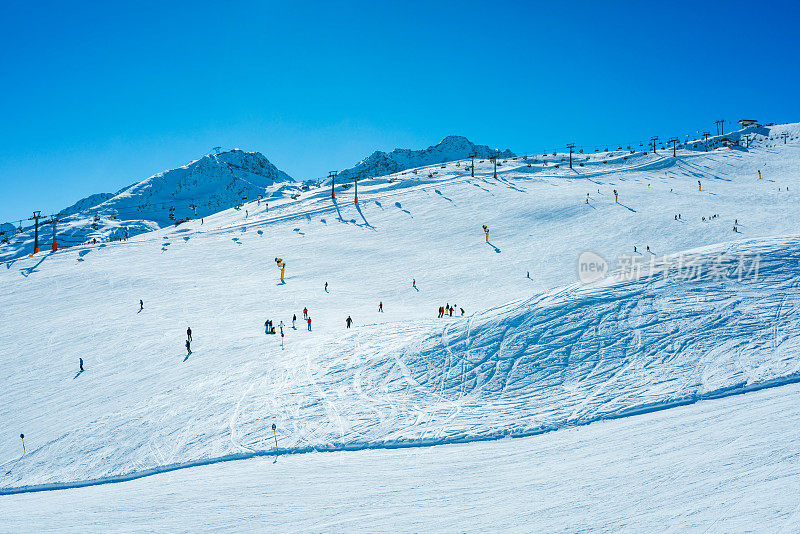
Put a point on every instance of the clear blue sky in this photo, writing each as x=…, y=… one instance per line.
x=98, y=95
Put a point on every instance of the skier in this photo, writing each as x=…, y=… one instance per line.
x=462, y=312
x=305, y=313
x=280, y=325
x=414, y=283
x=441, y=311
x=529, y=275
x=189, y=334
x=634, y=248
x=380, y=306
x=81, y=364
x=348, y=321
x=451, y=311
x=326, y=287
x=294, y=319
x=188, y=347
x=309, y=324
x=141, y=305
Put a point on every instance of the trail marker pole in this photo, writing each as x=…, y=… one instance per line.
x=275, y=433
x=356, y=184
x=784, y=135
x=22, y=437
x=472, y=166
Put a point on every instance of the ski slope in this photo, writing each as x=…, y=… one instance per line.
x=530, y=355
x=719, y=466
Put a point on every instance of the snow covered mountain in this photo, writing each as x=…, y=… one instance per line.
x=451, y=148
x=701, y=303
x=210, y=184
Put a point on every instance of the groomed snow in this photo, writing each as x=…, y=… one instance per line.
x=718, y=466
x=529, y=355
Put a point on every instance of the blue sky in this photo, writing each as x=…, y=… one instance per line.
x=96, y=96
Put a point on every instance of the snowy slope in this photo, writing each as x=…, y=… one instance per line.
x=559, y=355
x=719, y=466
x=198, y=189
x=451, y=148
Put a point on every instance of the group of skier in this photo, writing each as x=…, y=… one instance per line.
x=449, y=310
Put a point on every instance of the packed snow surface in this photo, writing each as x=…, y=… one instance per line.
x=706, y=312
x=715, y=467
